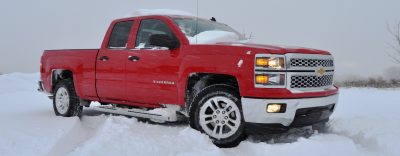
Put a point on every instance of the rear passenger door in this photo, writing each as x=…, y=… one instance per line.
x=110, y=64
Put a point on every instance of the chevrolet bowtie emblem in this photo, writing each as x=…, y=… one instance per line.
x=320, y=71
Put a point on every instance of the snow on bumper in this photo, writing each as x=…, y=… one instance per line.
x=254, y=110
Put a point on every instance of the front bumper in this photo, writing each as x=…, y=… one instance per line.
x=299, y=112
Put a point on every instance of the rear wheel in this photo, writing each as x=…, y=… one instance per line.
x=65, y=101
x=216, y=111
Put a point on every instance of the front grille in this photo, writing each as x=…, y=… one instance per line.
x=300, y=62
x=311, y=81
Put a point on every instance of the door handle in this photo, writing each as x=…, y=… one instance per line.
x=133, y=58
x=104, y=58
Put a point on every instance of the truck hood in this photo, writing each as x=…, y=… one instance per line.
x=276, y=49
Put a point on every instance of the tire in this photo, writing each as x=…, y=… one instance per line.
x=217, y=112
x=65, y=101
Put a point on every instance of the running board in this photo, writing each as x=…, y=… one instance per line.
x=156, y=115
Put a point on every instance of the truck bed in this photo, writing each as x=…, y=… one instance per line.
x=81, y=61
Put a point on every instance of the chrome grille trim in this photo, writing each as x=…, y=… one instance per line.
x=309, y=81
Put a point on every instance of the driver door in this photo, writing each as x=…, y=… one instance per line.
x=152, y=72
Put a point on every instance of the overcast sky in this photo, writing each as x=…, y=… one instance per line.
x=354, y=31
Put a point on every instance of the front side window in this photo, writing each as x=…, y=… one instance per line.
x=120, y=34
x=150, y=27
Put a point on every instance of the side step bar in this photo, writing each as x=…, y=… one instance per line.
x=157, y=115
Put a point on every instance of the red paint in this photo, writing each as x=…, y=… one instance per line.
x=122, y=81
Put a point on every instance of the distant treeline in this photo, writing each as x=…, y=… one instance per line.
x=370, y=83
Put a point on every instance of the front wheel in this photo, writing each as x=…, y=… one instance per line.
x=216, y=111
x=65, y=101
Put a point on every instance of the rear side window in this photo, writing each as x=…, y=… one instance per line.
x=120, y=34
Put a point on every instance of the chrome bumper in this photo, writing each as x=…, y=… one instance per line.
x=254, y=110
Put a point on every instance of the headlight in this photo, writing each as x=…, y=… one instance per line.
x=270, y=62
x=270, y=79
x=269, y=71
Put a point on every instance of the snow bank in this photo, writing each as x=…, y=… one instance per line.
x=212, y=37
x=370, y=118
x=124, y=136
x=366, y=122
x=18, y=82
x=27, y=123
x=147, y=12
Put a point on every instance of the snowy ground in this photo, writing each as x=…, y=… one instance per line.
x=367, y=122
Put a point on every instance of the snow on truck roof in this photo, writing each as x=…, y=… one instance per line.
x=148, y=12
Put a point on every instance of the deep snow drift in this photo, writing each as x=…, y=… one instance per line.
x=366, y=122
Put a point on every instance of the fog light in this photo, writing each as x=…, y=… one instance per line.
x=276, y=108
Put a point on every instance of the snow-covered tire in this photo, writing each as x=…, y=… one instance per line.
x=65, y=100
x=322, y=127
x=217, y=112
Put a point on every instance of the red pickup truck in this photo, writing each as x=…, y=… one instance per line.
x=158, y=67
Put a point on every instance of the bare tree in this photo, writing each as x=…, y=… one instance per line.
x=395, y=33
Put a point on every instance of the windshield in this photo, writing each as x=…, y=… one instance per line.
x=188, y=26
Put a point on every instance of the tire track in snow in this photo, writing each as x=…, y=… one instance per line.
x=367, y=143
x=82, y=130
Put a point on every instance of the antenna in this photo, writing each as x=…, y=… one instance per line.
x=197, y=18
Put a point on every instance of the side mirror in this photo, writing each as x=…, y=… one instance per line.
x=163, y=40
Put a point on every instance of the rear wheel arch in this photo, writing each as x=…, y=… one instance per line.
x=60, y=74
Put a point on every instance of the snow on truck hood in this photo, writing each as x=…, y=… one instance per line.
x=224, y=37
x=232, y=39
x=212, y=37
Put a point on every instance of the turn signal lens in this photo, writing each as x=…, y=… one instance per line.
x=261, y=61
x=262, y=79
x=270, y=79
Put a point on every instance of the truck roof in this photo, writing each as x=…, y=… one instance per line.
x=159, y=15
